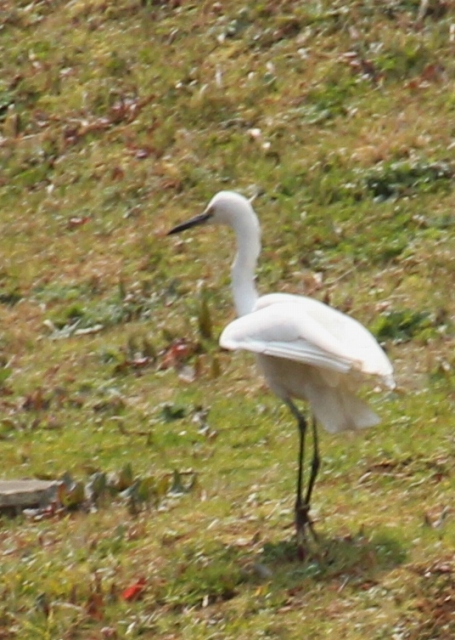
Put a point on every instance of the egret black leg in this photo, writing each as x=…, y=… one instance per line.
x=315, y=462
x=302, y=507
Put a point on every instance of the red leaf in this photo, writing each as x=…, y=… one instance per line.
x=134, y=592
x=177, y=353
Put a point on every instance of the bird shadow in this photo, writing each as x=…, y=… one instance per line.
x=359, y=559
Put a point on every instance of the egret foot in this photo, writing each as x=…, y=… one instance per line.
x=303, y=523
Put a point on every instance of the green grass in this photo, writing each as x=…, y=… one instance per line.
x=116, y=121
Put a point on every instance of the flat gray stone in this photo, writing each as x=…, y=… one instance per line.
x=26, y=493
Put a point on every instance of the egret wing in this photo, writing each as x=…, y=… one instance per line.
x=357, y=343
x=285, y=331
x=308, y=331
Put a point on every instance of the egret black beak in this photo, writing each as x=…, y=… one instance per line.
x=193, y=222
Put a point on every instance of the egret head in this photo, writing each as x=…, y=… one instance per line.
x=226, y=207
x=235, y=211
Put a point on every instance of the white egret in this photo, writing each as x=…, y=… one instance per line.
x=304, y=348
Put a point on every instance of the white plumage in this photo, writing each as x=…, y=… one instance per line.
x=304, y=348
x=310, y=351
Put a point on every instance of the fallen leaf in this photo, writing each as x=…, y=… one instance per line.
x=94, y=606
x=176, y=354
x=77, y=221
x=135, y=591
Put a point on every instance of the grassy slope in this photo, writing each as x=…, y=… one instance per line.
x=119, y=120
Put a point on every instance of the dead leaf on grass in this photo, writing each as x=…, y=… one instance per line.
x=134, y=591
x=77, y=221
x=95, y=605
x=71, y=493
x=36, y=401
x=177, y=353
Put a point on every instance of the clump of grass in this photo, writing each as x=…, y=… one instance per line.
x=408, y=177
x=202, y=579
x=433, y=599
x=404, y=325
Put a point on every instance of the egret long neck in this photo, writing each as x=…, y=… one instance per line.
x=243, y=268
